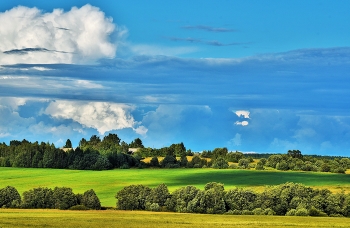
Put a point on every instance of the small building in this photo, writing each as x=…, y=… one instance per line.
x=132, y=150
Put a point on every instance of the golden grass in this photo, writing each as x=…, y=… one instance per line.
x=56, y=218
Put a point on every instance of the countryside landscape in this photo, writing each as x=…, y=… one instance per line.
x=184, y=113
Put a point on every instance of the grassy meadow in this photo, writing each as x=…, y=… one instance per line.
x=107, y=183
x=113, y=218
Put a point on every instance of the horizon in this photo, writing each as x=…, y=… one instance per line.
x=245, y=75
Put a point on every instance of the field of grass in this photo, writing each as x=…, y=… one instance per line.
x=107, y=183
x=112, y=218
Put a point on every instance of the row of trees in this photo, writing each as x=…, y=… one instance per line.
x=110, y=153
x=285, y=199
x=295, y=161
x=58, y=198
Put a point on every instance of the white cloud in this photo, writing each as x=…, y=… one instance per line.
x=243, y=123
x=103, y=116
x=81, y=35
x=242, y=113
x=12, y=102
x=141, y=130
x=237, y=140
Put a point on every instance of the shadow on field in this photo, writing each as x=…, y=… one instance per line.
x=247, y=178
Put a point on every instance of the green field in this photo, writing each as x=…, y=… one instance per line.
x=112, y=218
x=107, y=183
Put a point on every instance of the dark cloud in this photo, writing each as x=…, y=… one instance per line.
x=208, y=28
x=207, y=42
x=25, y=51
x=210, y=42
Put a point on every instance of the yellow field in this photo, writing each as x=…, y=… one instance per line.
x=110, y=218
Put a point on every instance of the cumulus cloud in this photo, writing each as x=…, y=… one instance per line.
x=27, y=35
x=242, y=113
x=103, y=116
x=242, y=123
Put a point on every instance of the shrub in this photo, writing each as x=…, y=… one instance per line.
x=247, y=212
x=78, y=208
x=301, y=212
x=291, y=212
x=269, y=211
x=233, y=166
x=234, y=212
x=258, y=211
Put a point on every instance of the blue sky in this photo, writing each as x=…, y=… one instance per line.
x=263, y=76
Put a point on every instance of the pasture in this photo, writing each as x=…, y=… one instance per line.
x=113, y=218
x=107, y=183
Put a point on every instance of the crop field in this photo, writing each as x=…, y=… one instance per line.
x=114, y=218
x=107, y=183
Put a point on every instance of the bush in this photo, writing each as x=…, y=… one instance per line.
x=233, y=166
x=247, y=212
x=78, y=208
x=301, y=212
x=291, y=212
x=234, y=212
x=258, y=211
x=269, y=211
x=152, y=207
x=315, y=212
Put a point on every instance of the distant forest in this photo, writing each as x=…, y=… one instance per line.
x=111, y=153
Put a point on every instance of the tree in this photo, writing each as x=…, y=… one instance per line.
x=137, y=143
x=240, y=199
x=243, y=163
x=220, y=163
x=169, y=162
x=9, y=197
x=90, y=200
x=158, y=195
x=219, y=152
x=64, y=198
x=38, y=198
x=211, y=200
x=132, y=197
x=295, y=154
x=180, y=199
x=154, y=162
x=68, y=144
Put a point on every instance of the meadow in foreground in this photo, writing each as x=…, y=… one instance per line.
x=114, y=218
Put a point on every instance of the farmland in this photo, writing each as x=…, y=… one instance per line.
x=112, y=218
x=107, y=183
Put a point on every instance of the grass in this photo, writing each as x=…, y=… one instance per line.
x=107, y=183
x=56, y=218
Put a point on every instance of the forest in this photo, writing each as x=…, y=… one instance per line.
x=111, y=152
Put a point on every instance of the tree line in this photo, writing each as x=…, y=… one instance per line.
x=110, y=152
x=291, y=199
x=61, y=198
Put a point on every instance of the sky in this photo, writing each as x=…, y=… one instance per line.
x=253, y=76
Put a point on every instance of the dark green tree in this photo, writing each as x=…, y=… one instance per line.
x=133, y=197
x=68, y=144
x=220, y=163
x=90, y=200
x=137, y=143
x=64, y=198
x=38, y=198
x=9, y=197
